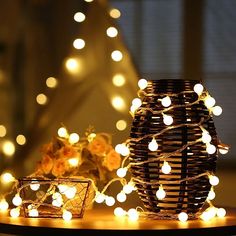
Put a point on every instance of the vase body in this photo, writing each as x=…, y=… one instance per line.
x=190, y=195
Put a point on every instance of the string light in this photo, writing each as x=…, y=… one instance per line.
x=116, y=55
x=209, y=101
x=214, y=180
x=110, y=201
x=119, y=212
x=35, y=186
x=166, y=102
x=91, y=137
x=112, y=32
x=7, y=177
x=122, y=149
x=121, y=197
x=41, y=99
x=20, y=139
x=118, y=80
x=166, y=168
x=211, y=194
x=4, y=205
x=211, y=149
x=73, y=138
x=33, y=213
x=168, y=120
x=67, y=215
x=70, y=192
x=79, y=43
x=206, y=137
x=100, y=197
x=133, y=214
x=15, y=212
x=221, y=212
x=137, y=102
x=62, y=132
x=8, y=148
x=160, y=193
x=198, y=88
x=118, y=103
x=183, y=217
x=72, y=65
x=142, y=83
x=3, y=131
x=62, y=188
x=121, y=125
x=115, y=13
x=128, y=188
x=153, y=146
x=217, y=110
x=121, y=172
x=79, y=17
x=17, y=200
x=51, y=82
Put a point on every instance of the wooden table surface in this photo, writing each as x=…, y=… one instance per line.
x=102, y=222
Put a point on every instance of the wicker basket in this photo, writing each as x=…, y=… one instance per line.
x=188, y=196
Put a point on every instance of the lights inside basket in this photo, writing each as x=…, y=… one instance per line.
x=33, y=213
x=34, y=186
x=17, y=200
x=66, y=215
x=160, y=193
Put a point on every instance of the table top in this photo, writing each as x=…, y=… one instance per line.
x=103, y=222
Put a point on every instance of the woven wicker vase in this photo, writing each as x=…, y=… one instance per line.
x=188, y=196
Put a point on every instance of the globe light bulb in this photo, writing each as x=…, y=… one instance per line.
x=79, y=43
x=168, y=120
x=137, y=102
x=51, y=82
x=79, y=17
x=33, y=213
x=221, y=212
x=100, y=197
x=206, y=216
x=70, y=192
x=212, y=212
x=211, y=149
x=115, y=13
x=4, y=205
x=142, y=83
x=73, y=138
x=67, y=215
x=116, y=55
x=15, y=212
x=17, y=200
x=211, y=195
x=119, y=212
x=217, y=110
x=209, y=101
x=74, y=162
x=35, y=186
x=7, y=177
x=214, y=180
x=206, y=137
x=166, y=168
x=57, y=203
x=112, y=32
x=121, y=197
x=121, y=172
x=62, y=132
x=62, y=188
x=166, y=101
x=183, y=217
x=153, y=146
x=133, y=214
x=110, y=201
x=8, y=148
x=160, y=193
x=198, y=88
x=124, y=150
x=128, y=188
x=224, y=150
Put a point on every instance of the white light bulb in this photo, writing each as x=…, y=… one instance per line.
x=57, y=203
x=206, y=137
x=17, y=200
x=112, y=32
x=166, y=168
x=73, y=138
x=160, y=193
x=214, y=180
x=79, y=17
x=119, y=212
x=62, y=132
x=116, y=55
x=100, y=197
x=221, y=212
x=211, y=149
x=183, y=216
x=128, y=188
x=217, y=110
x=205, y=216
x=15, y=212
x=198, y=88
x=110, y=201
x=121, y=172
x=79, y=43
x=35, y=186
x=166, y=101
x=168, y=120
x=209, y=102
x=70, y=192
x=4, y=205
x=153, y=146
x=62, y=188
x=137, y=102
x=133, y=214
x=223, y=150
x=211, y=195
x=124, y=150
x=121, y=197
x=33, y=213
x=67, y=215
x=7, y=177
x=142, y=83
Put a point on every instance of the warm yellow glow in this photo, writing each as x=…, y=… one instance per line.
x=214, y=180
x=121, y=125
x=62, y=188
x=33, y=213
x=121, y=172
x=51, y=82
x=166, y=168
x=70, y=192
x=15, y=212
x=62, y=132
x=72, y=65
x=3, y=131
x=211, y=149
x=41, y=99
x=119, y=212
x=142, y=83
x=118, y=80
x=160, y=193
x=217, y=110
x=122, y=149
x=198, y=88
x=88, y=0
x=168, y=120
x=118, y=103
x=100, y=197
x=79, y=17
x=4, y=205
x=211, y=194
x=74, y=162
x=221, y=212
x=116, y=55
x=8, y=148
x=35, y=186
x=17, y=200
x=183, y=216
x=206, y=137
x=73, y=138
x=133, y=214
x=136, y=102
x=7, y=177
x=209, y=101
x=20, y=139
x=115, y=13
x=128, y=188
x=110, y=201
x=153, y=146
x=67, y=215
x=112, y=32
x=121, y=197
x=79, y=43
x=91, y=137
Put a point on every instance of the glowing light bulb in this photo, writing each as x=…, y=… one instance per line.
x=17, y=200
x=51, y=82
x=3, y=131
x=88, y=0
x=100, y=197
x=153, y=146
x=121, y=172
x=212, y=212
x=118, y=80
x=183, y=217
x=211, y=149
x=67, y=215
x=168, y=120
x=121, y=197
x=112, y=32
x=62, y=132
x=35, y=186
x=166, y=101
x=15, y=212
x=211, y=195
x=223, y=149
x=110, y=201
x=160, y=193
x=4, y=205
x=57, y=203
x=115, y=13
x=33, y=213
x=209, y=101
x=206, y=137
x=128, y=188
x=70, y=192
x=119, y=212
x=41, y=99
x=116, y=55
x=166, y=168
x=214, y=180
x=118, y=148
x=7, y=177
x=124, y=150
x=73, y=138
x=217, y=110
x=72, y=65
x=121, y=125
x=74, y=162
x=20, y=139
x=137, y=102
x=118, y=103
x=221, y=212
x=79, y=43
x=79, y=17
x=8, y=148
x=133, y=214
x=62, y=188
x=205, y=216
x=142, y=83
x=198, y=88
